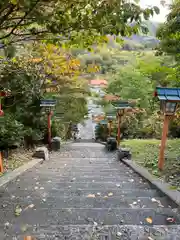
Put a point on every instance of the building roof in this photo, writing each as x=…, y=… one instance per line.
x=109, y=97
x=98, y=82
x=171, y=94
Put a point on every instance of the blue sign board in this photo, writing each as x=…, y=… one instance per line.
x=48, y=103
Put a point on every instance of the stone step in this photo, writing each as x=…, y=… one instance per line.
x=106, y=216
x=57, y=192
x=70, y=174
x=55, y=179
x=86, y=185
x=88, y=232
x=103, y=201
x=85, y=170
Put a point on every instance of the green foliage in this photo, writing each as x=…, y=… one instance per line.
x=136, y=74
x=28, y=80
x=169, y=33
x=76, y=21
x=11, y=131
x=101, y=132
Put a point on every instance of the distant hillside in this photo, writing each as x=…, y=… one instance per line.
x=148, y=39
x=141, y=40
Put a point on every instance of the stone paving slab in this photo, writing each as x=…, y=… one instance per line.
x=86, y=185
x=82, y=179
x=56, y=193
x=103, y=201
x=86, y=232
x=107, y=216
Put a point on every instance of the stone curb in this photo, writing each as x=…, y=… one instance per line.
x=163, y=187
x=4, y=179
x=18, y=171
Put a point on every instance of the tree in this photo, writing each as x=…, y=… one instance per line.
x=169, y=32
x=22, y=109
x=129, y=84
x=28, y=77
x=69, y=20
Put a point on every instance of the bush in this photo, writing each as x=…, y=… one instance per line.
x=101, y=132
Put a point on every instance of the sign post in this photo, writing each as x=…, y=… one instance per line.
x=48, y=104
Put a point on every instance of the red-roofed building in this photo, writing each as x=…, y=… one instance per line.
x=98, y=82
x=111, y=98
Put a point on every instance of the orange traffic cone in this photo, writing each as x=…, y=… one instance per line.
x=1, y=163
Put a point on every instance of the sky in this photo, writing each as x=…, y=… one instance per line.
x=163, y=10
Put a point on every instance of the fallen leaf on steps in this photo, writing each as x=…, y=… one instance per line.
x=29, y=238
x=91, y=196
x=95, y=224
x=7, y=224
x=73, y=179
x=149, y=220
x=158, y=201
x=29, y=206
x=110, y=194
x=24, y=228
x=170, y=220
x=17, y=211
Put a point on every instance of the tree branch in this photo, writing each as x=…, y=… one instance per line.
x=20, y=21
x=11, y=9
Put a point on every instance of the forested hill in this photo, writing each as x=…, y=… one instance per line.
x=141, y=40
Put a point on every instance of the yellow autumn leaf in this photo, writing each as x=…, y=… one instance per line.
x=149, y=220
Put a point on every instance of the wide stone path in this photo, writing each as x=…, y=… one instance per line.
x=84, y=193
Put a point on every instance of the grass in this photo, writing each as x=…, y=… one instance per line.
x=145, y=153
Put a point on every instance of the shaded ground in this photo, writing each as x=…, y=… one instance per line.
x=84, y=193
x=146, y=152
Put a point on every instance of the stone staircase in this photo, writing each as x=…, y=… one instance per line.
x=84, y=193
x=84, y=140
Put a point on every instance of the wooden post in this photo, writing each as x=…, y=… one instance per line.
x=119, y=130
x=110, y=128
x=163, y=142
x=1, y=163
x=49, y=129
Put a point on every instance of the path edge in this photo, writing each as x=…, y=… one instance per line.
x=7, y=177
x=159, y=184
